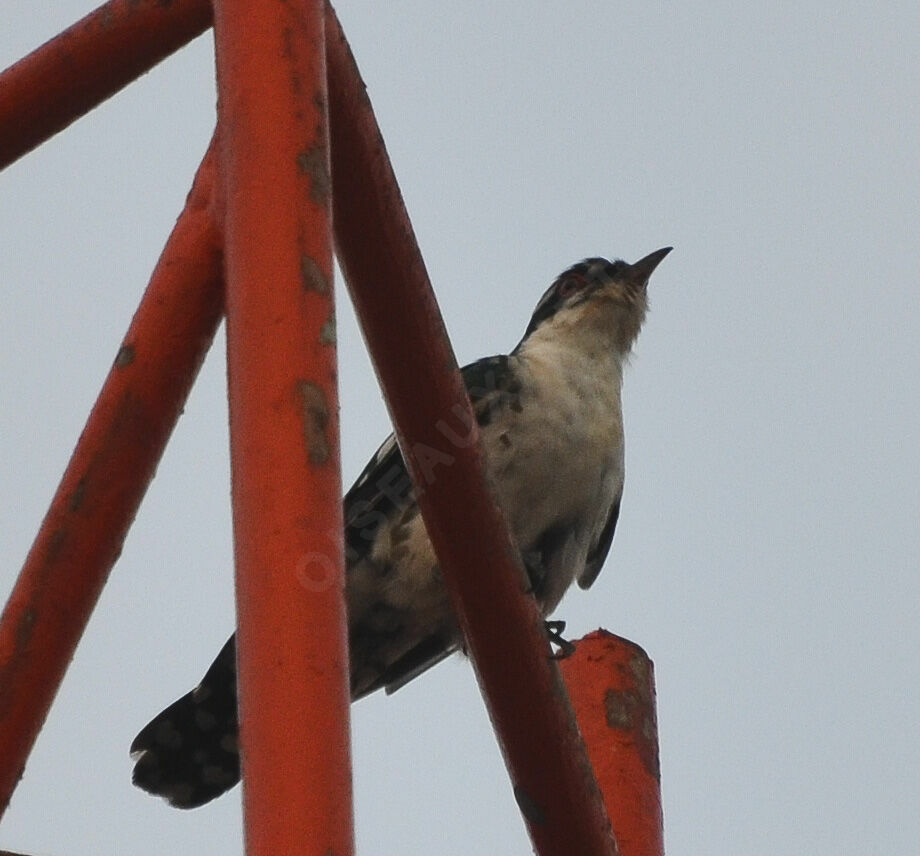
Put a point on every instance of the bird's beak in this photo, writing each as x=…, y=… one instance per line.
x=636, y=275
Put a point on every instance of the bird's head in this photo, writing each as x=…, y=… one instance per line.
x=596, y=297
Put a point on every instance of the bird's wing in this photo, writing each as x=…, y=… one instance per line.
x=491, y=385
x=599, y=551
x=381, y=491
x=188, y=752
x=420, y=658
x=384, y=490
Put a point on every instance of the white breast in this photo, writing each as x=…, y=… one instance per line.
x=555, y=459
x=559, y=459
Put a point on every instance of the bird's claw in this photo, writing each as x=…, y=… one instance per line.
x=554, y=630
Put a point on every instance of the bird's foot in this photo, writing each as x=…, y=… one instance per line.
x=554, y=631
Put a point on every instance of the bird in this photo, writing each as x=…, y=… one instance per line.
x=551, y=429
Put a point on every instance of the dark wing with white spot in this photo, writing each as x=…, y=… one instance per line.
x=188, y=753
x=384, y=488
x=381, y=493
x=599, y=551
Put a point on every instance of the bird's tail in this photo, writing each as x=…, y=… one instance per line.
x=188, y=754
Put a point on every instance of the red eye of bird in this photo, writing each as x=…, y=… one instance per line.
x=570, y=285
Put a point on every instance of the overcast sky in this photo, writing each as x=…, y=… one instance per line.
x=766, y=555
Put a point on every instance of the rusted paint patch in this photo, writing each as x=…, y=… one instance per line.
x=327, y=335
x=125, y=356
x=529, y=807
x=55, y=542
x=24, y=628
x=315, y=421
x=639, y=666
x=76, y=499
x=315, y=163
x=313, y=278
x=14, y=665
x=619, y=707
x=633, y=712
x=287, y=43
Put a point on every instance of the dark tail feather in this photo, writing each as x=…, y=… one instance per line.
x=188, y=754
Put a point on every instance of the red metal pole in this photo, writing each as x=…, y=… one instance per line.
x=287, y=512
x=115, y=458
x=90, y=61
x=527, y=701
x=612, y=687
x=39, y=96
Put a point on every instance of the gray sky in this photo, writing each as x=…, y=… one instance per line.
x=766, y=555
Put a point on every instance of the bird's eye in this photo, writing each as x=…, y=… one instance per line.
x=570, y=285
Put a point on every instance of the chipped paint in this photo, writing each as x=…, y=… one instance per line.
x=315, y=163
x=618, y=707
x=315, y=421
x=287, y=45
x=327, y=335
x=125, y=356
x=24, y=628
x=56, y=541
x=633, y=711
x=312, y=276
x=76, y=498
x=639, y=666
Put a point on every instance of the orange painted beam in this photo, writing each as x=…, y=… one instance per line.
x=546, y=759
x=284, y=429
x=90, y=61
x=39, y=96
x=102, y=487
x=612, y=686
